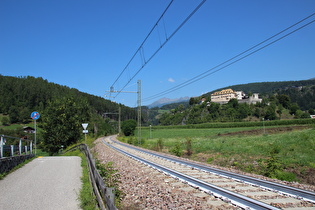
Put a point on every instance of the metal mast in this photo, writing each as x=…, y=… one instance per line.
x=139, y=112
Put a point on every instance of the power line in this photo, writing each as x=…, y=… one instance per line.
x=141, y=46
x=161, y=45
x=214, y=69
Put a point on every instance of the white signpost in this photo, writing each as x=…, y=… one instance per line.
x=85, y=125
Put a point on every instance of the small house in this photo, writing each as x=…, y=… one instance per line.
x=27, y=129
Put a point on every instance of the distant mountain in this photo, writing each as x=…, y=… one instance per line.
x=164, y=101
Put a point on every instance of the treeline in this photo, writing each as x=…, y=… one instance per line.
x=271, y=108
x=268, y=88
x=303, y=96
x=62, y=110
x=20, y=96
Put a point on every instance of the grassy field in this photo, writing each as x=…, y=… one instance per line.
x=182, y=133
x=286, y=155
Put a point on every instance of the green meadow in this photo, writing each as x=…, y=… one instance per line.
x=286, y=155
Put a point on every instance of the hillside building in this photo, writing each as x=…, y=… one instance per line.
x=224, y=96
x=27, y=129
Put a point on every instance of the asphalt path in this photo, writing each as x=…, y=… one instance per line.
x=44, y=183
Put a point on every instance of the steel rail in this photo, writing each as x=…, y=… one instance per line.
x=295, y=192
x=234, y=198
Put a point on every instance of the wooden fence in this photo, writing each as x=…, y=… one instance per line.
x=105, y=195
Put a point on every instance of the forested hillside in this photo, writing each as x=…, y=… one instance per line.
x=300, y=92
x=20, y=96
x=267, y=88
x=62, y=111
x=281, y=100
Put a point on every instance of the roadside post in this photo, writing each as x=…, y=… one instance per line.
x=85, y=125
x=263, y=119
x=35, y=116
x=1, y=146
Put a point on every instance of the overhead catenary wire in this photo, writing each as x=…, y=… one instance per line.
x=141, y=45
x=161, y=46
x=235, y=59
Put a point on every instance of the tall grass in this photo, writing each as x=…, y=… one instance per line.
x=295, y=150
x=181, y=133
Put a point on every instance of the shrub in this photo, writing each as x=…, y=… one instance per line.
x=176, y=150
x=128, y=127
x=188, y=146
x=5, y=121
x=273, y=163
x=209, y=160
x=131, y=140
x=285, y=176
x=111, y=178
x=159, y=144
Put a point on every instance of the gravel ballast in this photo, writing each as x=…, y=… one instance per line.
x=146, y=188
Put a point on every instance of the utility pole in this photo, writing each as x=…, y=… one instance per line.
x=139, y=107
x=139, y=112
x=263, y=119
x=119, y=120
x=119, y=113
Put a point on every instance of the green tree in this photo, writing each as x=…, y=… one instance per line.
x=193, y=101
x=243, y=111
x=294, y=108
x=233, y=103
x=61, y=122
x=305, y=115
x=5, y=121
x=128, y=127
x=270, y=113
x=213, y=110
x=165, y=119
x=280, y=110
x=14, y=115
x=257, y=112
x=284, y=100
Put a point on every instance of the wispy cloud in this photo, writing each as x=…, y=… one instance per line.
x=170, y=80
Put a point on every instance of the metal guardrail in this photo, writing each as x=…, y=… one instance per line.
x=12, y=146
x=14, y=151
x=105, y=195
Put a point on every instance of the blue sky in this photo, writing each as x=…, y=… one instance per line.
x=87, y=44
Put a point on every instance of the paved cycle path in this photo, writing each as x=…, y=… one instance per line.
x=44, y=183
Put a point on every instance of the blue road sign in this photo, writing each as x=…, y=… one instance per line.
x=35, y=115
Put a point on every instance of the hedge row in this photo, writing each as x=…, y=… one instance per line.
x=238, y=124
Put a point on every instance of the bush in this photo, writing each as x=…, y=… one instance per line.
x=176, y=150
x=128, y=127
x=273, y=163
x=5, y=121
x=188, y=146
x=159, y=144
x=285, y=176
x=131, y=140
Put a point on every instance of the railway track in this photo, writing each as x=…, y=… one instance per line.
x=239, y=190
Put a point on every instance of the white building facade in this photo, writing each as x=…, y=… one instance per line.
x=224, y=96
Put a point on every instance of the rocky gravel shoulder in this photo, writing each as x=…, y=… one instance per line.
x=146, y=188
